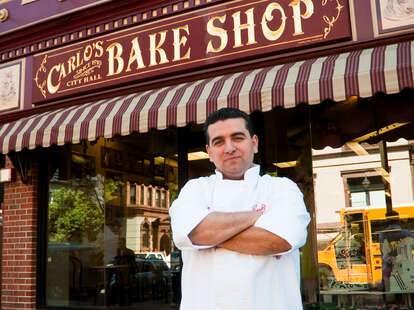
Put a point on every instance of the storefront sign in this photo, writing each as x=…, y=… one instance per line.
x=223, y=33
x=16, y=14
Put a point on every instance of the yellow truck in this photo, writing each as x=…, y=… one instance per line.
x=353, y=260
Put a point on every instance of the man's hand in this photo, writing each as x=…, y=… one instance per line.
x=218, y=227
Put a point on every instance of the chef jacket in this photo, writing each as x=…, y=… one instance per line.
x=220, y=279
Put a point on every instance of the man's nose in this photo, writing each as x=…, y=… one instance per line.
x=229, y=146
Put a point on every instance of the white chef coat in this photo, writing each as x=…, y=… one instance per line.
x=220, y=279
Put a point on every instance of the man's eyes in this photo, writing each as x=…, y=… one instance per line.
x=234, y=139
x=238, y=138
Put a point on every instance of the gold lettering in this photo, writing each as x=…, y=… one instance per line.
x=239, y=27
x=115, y=51
x=71, y=64
x=217, y=32
x=268, y=17
x=295, y=4
x=27, y=1
x=87, y=53
x=135, y=55
x=62, y=74
x=178, y=41
x=50, y=87
x=156, y=48
x=99, y=49
x=79, y=60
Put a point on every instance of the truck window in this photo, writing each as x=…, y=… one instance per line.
x=356, y=239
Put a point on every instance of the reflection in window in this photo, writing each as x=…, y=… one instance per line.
x=359, y=199
x=370, y=244
x=75, y=226
x=377, y=198
x=145, y=235
x=149, y=197
x=395, y=236
x=163, y=199
x=142, y=194
x=157, y=198
x=366, y=191
x=97, y=246
x=133, y=194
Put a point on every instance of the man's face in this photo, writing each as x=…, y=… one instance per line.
x=231, y=148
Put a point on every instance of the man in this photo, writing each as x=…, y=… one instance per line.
x=239, y=232
x=389, y=239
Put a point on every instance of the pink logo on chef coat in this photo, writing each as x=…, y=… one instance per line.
x=259, y=208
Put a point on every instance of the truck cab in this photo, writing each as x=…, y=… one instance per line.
x=353, y=260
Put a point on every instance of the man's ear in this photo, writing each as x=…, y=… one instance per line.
x=255, y=143
x=208, y=152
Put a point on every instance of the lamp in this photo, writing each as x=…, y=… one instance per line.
x=7, y=175
x=366, y=183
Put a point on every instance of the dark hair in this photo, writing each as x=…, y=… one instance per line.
x=226, y=113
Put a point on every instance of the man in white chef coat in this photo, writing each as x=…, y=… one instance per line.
x=239, y=232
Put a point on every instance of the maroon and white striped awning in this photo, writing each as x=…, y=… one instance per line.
x=362, y=73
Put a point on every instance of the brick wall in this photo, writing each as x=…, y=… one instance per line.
x=19, y=243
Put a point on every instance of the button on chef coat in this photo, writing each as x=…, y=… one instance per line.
x=219, y=279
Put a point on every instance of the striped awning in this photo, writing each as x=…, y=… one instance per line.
x=362, y=73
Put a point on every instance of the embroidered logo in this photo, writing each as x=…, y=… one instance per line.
x=259, y=208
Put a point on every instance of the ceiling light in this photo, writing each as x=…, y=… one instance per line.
x=286, y=164
x=197, y=156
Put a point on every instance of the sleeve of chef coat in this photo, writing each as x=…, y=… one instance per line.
x=187, y=211
x=286, y=216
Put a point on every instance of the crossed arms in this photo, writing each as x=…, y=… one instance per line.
x=235, y=231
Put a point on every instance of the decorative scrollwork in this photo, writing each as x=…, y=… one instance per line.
x=331, y=20
x=41, y=85
x=4, y=14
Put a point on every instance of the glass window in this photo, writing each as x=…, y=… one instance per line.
x=98, y=247
x=366, y=191
x=359, y=199
x=163, y=199
x=157, y=198
x=363, y=189
x=132, y=194
x=149, y=197
x=142, y=195
x=145, y=235
x=377, y=198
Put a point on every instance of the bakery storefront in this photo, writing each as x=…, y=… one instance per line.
x=102, y=105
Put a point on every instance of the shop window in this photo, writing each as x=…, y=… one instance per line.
x=100, y=230
x=364, y=194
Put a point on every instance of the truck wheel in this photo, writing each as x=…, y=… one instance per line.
x=326, y=277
